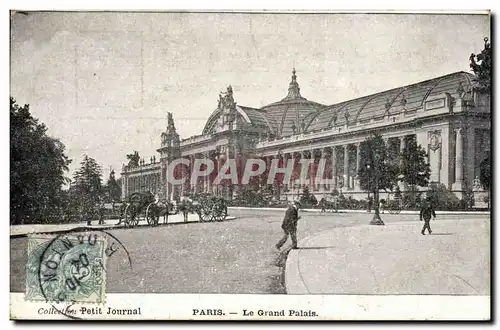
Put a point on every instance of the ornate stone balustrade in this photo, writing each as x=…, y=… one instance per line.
x=143, y=168
x=195, y=139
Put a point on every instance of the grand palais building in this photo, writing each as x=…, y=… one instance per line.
x=445, y=115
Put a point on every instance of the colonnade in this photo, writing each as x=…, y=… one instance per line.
x=342, y=163
x=142, y=182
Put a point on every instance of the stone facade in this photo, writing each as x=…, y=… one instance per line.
x=445, y=115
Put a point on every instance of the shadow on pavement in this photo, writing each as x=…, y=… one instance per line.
x=441, y=234
x=281, y=259
x=316, y=247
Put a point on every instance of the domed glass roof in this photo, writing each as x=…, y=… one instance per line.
x=392, y=102
x=288, y=115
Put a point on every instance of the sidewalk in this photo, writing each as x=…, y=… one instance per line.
x=394, y=259
x=20, y=230
x=357, y=211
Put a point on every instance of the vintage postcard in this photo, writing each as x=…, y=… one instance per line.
x=202, y=165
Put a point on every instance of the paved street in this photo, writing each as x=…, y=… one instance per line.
x=235, y=256
x=394, y=259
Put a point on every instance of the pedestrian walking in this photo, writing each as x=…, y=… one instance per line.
x=322, y=204
x=185, y=207
x=382, y=206
x=289, y=225
x=426, y=212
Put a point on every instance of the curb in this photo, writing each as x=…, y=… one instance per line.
x=113, y=227
x=359, y=211
x=294, y=284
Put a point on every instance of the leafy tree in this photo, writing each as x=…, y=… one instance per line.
x=415, y=170
x=134, y=159
x=376, y=172
x=87, y=185
x=37, y=167
x=113, y=189
x=250, y=196
x=306, y=198
x=442, y=198
x=485, y=175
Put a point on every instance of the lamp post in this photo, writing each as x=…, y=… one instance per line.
x=376, y=217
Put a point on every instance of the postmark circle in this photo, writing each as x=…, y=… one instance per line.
x=72, y=268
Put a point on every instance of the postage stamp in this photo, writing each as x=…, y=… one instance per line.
x=254, y=165
x=66, y=268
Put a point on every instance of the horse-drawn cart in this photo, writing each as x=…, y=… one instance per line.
x=144, y=205
x=209, y=208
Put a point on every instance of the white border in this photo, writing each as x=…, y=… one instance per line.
x=325, y=307
x=434, y=6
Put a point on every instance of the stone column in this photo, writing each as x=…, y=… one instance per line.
x=301, y=180
x=334, y=168
x=307, y=180
x=190, y=170
x=346, y=166
x=273, y=184
x=402, y=146
x=267, y=160
x=286, y=159
x=207, y=178
x=124, y=186
x=294, y=185
x=325, y=157
x=198, y=182
x=194, y=183
x=470, y=153
x=312, y=183
x=402, y=143
x=215, y=173
x=322, y=158
x=459, y=160
x=358, y=159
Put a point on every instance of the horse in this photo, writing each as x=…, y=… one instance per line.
x=157, y=210
x=326, y=205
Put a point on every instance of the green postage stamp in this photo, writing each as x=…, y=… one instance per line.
x=66, y=268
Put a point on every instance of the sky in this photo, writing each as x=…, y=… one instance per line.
x=104, y=82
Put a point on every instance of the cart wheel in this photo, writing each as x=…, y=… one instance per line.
x=130, y=218
x=220, y=216
x=219, y=213
x=134, y=220
x=207, y=213
x=150, y=216
x=200, y=215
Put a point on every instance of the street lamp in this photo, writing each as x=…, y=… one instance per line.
x=376, y=217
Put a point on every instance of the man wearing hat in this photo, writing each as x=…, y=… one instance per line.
x=289, y=225
x=426, y=212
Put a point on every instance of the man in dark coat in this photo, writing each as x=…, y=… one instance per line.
x=289, y=225
x=426, y=212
